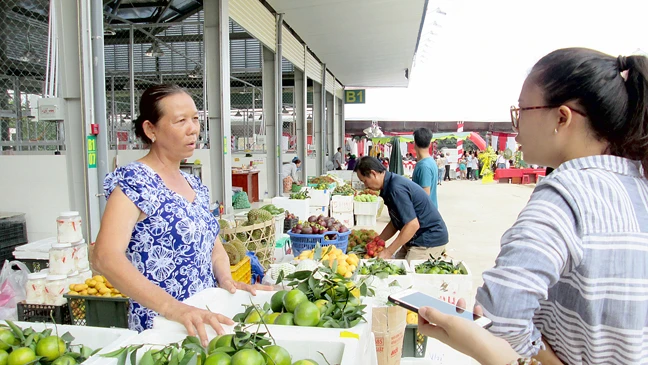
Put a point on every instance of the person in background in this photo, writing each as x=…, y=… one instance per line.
x=422, y=229
x=385, y=162
x=475, y=165
x=352, y=163
x=570, y=283
x=462, y=166
x=289, y=174
x=501, y=160
x=440, y=166
x=469, y=165
x=329, y=164
x=447, y=168
x=158, y=242
x=425, y=173
x=338, y=160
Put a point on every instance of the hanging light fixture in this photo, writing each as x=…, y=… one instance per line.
x=154, y=51
x=284, y=110
x=250, y=116
x=108, y=30
x=310, y=117
x=196, y=73
x=238, y=114
x=261, y=117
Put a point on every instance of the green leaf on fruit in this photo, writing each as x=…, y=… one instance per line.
x=16, y=330
x=67, y=337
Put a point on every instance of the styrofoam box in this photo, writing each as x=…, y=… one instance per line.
x=341, y=204
x=365, y=220
x=336, y=351
x=318, y=197
x=37, y=250
x=346, y=175
x=365, y=208
x=344, y=218
x=107, y=339
x=449, y=288
x=227, y=304
x=323, y=210
x=297, y=207
x=405, y=281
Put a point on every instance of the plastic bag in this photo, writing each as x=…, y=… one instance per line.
x=257, y=268
x=12, y=288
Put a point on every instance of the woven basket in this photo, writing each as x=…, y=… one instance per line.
x=258, y=238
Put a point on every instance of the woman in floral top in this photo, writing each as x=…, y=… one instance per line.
x=158, y=241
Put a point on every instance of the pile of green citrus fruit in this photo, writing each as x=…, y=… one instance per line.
x=319, y=298
x=26, y=346
x=240, y=348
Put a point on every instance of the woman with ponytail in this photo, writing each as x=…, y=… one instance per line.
x=570, y=284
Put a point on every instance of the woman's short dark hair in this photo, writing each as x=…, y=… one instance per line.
x=368, y=164
x=422, y=138
x=150, y=107
x=616, y=105
x=297, y=161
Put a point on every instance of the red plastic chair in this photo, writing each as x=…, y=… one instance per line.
x=526, y=179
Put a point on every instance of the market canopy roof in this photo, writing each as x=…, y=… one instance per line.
x=364, y=43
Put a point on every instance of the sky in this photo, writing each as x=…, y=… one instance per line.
x=472, y=66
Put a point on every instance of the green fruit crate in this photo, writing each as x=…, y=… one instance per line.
x=58, y=314
x=296, y=188
x=98, y=311
x=414, y=343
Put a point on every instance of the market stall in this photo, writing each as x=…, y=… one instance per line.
x=329, y=304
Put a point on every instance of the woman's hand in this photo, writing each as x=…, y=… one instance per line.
x=465, y=336
x=232, y=285
x=194, y=319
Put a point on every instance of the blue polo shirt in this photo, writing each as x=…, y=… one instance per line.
x=406, y=201
x=426, y=175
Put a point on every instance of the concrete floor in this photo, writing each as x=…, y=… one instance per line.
x=477, y=215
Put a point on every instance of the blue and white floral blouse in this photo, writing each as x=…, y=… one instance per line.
x=172, y=246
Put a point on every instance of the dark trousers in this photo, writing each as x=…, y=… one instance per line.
x=447, y=174
x=469, y=173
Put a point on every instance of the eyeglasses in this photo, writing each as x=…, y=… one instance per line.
x=515, y=112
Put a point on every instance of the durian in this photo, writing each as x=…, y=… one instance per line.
x=233, y=254
x=239, y=246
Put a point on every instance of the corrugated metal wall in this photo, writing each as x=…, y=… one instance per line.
x=256, y=20
x=293, y=50
x=313, y=68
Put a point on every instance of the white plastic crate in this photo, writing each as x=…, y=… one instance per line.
x=108, y=339
x=449, y=288
x=364, y=208
x=405, y=281
x=341, y=204
x=227, y=304
x=344, y=218
x=297, y=207
x=323, y=210
x=336, y=351
x=365, y=220
x=319, y=197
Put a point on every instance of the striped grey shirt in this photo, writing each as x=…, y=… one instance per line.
x=573, y=269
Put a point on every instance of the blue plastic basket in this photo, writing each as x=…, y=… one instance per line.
x=303, y=242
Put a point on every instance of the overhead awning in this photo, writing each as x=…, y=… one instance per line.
x=365, y=43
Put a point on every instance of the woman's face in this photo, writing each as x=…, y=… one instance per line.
x=536, y=126
x=177, y=130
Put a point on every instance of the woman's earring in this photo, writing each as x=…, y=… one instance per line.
x=153, y=140
x=555, y=132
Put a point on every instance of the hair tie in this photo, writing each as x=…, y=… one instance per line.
x=622, y=63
